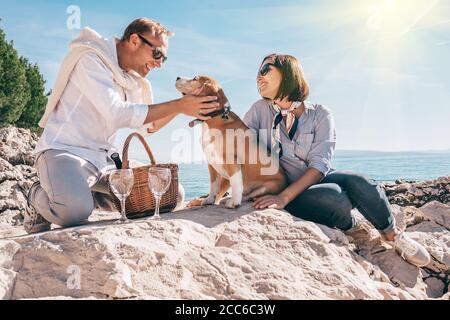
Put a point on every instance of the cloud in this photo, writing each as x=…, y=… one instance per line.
x=387, y=76
x=442, y=43
x=198, y=52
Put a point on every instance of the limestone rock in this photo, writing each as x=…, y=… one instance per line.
x=207, y=253
x=213, y=252
x=16, y=171
x=17, y=144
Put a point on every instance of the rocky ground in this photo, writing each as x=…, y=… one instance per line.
x=418, y=194
x=216, y=253
x=17, y=174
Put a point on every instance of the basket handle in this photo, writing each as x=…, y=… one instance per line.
x=125, y=162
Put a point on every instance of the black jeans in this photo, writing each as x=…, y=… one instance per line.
x=330, y=202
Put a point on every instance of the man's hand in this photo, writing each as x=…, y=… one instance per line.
x=197, y=107
x=160, y=114
x=270, y=201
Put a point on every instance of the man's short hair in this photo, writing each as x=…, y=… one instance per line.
x=143, y=25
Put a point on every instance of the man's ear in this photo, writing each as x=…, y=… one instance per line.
x=134, y=40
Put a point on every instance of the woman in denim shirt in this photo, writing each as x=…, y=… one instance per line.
x=303, y=135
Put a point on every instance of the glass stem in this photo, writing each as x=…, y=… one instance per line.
x=158, y=200
x=123, y=216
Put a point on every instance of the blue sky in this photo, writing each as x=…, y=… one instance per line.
x=381, y=66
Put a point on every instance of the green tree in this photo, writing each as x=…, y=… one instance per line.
x=34, y=109
x=14, y=90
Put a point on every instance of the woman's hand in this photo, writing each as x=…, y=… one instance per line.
x=271, y=202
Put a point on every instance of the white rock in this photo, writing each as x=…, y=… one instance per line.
x=436, y=239
x=7, y=276
x=212, y=252
x=207, y=253
x=16, y=145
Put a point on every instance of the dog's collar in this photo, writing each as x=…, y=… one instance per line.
x=223, y=112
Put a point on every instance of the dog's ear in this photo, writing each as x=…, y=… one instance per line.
x=221, y=98
x=210, y=89
x=207, y=90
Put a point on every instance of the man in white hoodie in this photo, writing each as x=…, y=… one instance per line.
x=100, y=88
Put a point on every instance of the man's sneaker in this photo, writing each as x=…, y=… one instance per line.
x=33, y=222
x=411, y=251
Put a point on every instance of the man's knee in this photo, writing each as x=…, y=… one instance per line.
x=73, y=212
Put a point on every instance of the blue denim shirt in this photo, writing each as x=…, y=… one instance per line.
x=313, y=143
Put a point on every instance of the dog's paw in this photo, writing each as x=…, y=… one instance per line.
x=230, y=204
x=195, y=203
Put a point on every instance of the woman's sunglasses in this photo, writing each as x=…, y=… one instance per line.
x=265, y=69
x=157, y=54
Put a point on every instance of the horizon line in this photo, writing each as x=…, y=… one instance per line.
x=391, y=151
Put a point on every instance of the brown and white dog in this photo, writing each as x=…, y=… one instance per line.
x=235, y=158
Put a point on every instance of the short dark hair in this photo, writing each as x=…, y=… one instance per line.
x=293, y=84
x=143, y=25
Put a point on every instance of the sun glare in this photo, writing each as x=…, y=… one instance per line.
x=397, y=17
x=384, y=45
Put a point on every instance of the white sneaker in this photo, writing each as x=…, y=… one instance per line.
x=411, y=251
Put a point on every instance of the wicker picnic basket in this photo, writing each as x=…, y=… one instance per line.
x=141, y=202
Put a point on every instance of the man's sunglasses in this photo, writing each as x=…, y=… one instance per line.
x=265, y=69
x=157, y=53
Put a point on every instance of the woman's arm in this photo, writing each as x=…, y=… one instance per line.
x=322, y=148
x=311, y=177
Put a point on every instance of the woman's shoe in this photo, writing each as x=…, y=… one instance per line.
x=411, y=251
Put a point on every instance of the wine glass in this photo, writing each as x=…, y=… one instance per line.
x=158, y=182
x=121, y=182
